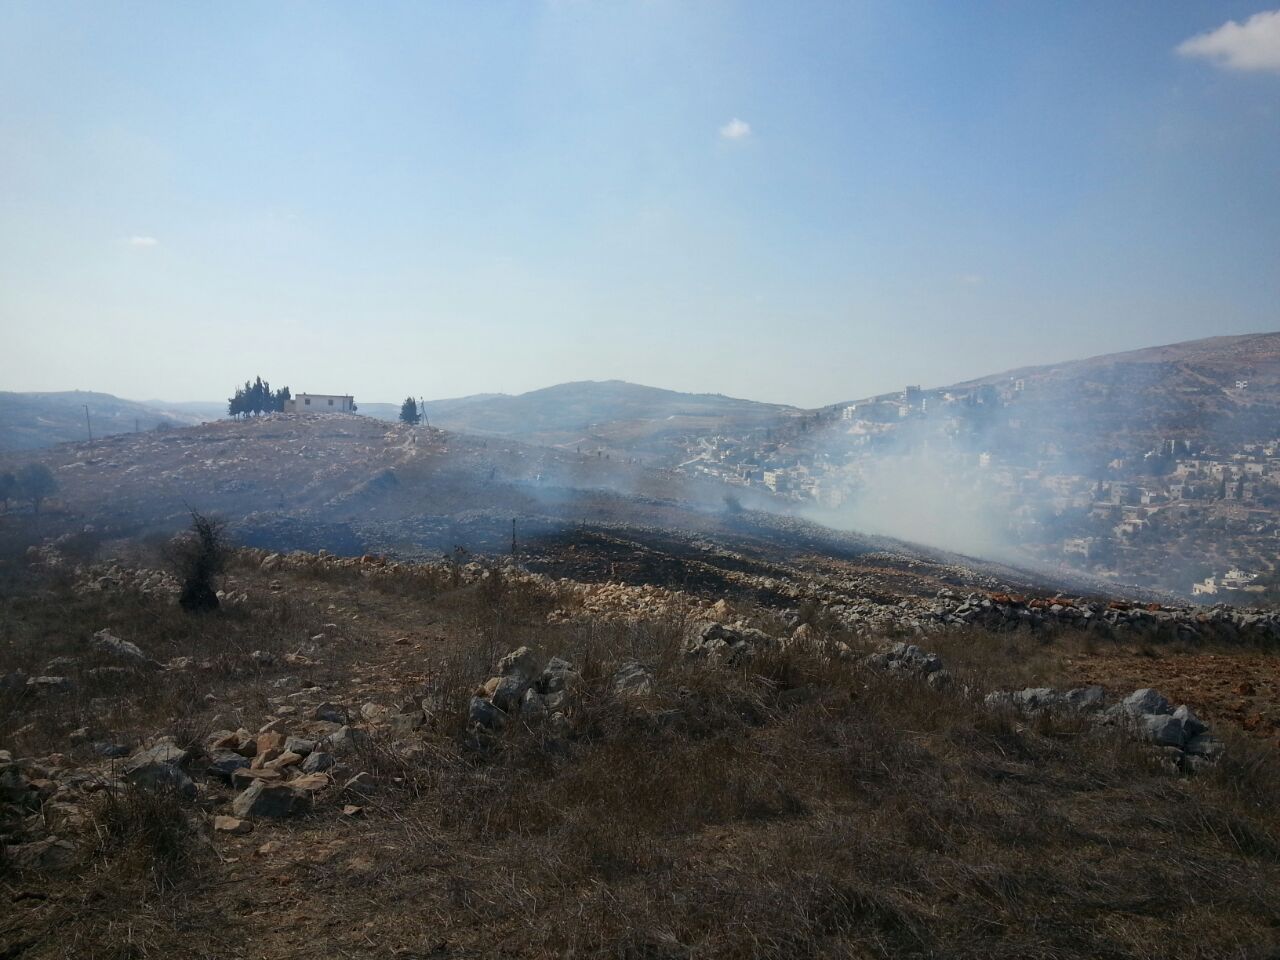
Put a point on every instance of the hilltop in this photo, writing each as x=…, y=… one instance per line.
x=613, y=415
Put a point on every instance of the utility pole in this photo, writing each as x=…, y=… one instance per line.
x=88, y=425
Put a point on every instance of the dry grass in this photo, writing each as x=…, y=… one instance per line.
x=792, y=807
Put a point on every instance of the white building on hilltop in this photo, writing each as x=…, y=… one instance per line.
x=320, y=403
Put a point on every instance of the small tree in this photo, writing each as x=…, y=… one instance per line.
x=8, y=488
x=256, y=397
x=196, y=558
x=409, y=411
x=35, y=483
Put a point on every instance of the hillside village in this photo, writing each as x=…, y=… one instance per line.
x=1117, y=512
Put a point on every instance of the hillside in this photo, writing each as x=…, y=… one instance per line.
x=30, y=421
x=1220, y=390
x=370, y=759
x=612, y=415
x=658, y=725
x=351, y=485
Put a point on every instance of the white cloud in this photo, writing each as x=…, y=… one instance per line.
x=970, y=279
x=1252, y=45
x=143, y=241
x=736, y=129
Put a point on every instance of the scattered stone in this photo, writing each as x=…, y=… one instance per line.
x=402, y=724
x=732, y=645
x=1163, y=730
x=159, y=767
x=312, y=782
x=557, y=675
x=506, y=695
x=485, y=714
x=633, y=679
x=330, y=712
x=106, y=642
x=521, y=662
x=361, y=782
x=346, y=740
x=1145, y=701
x=1192, y=724
x=1085, y=699
x=906, y=658
x=317, y=762
x=533, y=706
x=224, y=763
x=283, y=761
x=246, y=776
x=299, y=745
x=272, y=740
x=1205, y=745
x=47, y=854
x=225, y=824
x=275, y=800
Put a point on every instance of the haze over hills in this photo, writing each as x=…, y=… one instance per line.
x=610, y=415
x=30, y=421
x=1215, y=388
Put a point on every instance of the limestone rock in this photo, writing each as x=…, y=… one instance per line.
x=275, y=800
x=520, y=662
x=225, y=824
x=106, y=642
x=1145, y=701
x=317, y=762
x=484, y=713
x=633, y=679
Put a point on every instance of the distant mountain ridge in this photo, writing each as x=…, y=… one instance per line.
x=1194, y=388
x=31, y=421
x=583, y=404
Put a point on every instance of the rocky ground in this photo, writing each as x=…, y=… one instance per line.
x=355, y=756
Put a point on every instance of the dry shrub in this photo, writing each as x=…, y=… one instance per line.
x=196, y=558
x=146, y=833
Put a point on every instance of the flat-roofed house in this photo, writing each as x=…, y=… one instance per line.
x=320, y=403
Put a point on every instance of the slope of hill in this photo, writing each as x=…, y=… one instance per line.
x=201, y=409
x=612, y=415
x=352, y=484
x=30, y=421
x=1220, y=390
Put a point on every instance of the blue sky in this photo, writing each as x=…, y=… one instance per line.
x=800, y=203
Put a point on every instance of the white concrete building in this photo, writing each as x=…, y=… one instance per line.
x=320, y=403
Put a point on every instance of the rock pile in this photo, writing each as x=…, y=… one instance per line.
x=1184, y=740
x=1005, y=612
x=907, y=658
x=521, y=689
x=718, y=643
